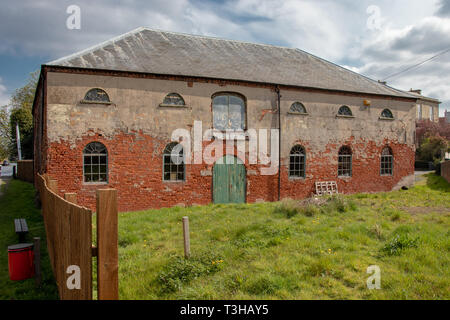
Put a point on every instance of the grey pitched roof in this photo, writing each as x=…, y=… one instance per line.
x=422, y=97
x=161, y=52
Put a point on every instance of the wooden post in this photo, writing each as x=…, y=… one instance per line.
x=37, y=261
x=71, y=197
x=53, y=185
x=14, y=172
x=187, y=244
x=107, y=244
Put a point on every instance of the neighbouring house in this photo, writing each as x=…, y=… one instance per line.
x=447, y=116
x=105, y=117
x=426, y=108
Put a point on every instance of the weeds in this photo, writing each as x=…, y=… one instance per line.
x=399, y=243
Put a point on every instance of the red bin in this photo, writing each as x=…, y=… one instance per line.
x=21, y=261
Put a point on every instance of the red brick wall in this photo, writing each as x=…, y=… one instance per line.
x=135, y=170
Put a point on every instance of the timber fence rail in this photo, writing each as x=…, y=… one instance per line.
x=69, y=242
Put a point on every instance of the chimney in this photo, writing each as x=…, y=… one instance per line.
x=418, y=91
x=382, y=82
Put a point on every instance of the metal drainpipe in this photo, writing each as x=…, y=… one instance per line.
x=277, y=90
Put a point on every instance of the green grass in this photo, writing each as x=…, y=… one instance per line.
x=293, y=250
x=18, y=202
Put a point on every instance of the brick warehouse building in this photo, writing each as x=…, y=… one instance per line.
x=104, y=117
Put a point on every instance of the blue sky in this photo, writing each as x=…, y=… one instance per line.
x=375, y=38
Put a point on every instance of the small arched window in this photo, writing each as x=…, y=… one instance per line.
x=96, y=95
x=297, y=162
x=345, y=111
x=95, y=163
x=228, y=112
x=298, y=107
x=173, y=99
x=386, y=162
x=387, y=114
x=345, y=162
x=173, y=162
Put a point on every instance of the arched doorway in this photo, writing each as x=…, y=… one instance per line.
x=229, y=180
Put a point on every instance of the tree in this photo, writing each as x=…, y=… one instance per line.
x=5, y=133
x=21, y=106
x=432, y=148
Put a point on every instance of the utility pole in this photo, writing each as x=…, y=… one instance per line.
x=18, y=141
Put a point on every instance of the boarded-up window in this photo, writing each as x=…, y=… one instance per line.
x=228, y=112
x=95, y=163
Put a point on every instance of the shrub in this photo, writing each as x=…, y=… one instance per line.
x=180, y=270
x=288, y=207
x=399, y=243
x=262, y=286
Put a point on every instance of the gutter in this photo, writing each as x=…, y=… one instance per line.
x=277, y=90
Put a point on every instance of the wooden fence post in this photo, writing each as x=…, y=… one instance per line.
x=53, y=185
x=107, y=244
x=187, y=243
x=71, y=197
x=37, y=261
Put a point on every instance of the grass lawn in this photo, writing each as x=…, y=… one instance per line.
x=292, y=250
x=17, y=201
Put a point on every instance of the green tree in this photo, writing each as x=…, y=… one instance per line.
x=21, y=105
x=5, y=133
x=432, y=148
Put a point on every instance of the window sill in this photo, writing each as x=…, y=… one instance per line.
x=342, y=116
x=223, y=135
x=298, y=113
x=344, y=177
x=95, y=102
x=95, y=183
x=174, y=181
x=297, y=178
x=386, y=119
x=162, y=105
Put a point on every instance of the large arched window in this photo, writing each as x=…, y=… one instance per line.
x=386, y=162
x=345, y=111
x=345, y=162
x=297, y=162
x=228, y=112
x=173, y=162
x=96, y=95
x=298, y=107
x=95, y=163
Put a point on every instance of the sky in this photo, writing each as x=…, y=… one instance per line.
x=375, y=38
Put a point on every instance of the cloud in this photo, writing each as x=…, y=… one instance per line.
x=4, y=96
x=444, y=8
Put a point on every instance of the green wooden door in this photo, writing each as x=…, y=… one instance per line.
x=229, y=181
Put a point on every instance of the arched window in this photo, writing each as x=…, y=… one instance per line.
x=297, y=107
x=386, y=162
x=297, y=162
x=173, y=99
x=345, y=111
x=173, y=162
x=97, y=95
x=95, y=163
x=387, y=114
x=345, y=162
x=228, y=112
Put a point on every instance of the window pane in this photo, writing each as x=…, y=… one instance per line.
x=220, y=114
x=87, y=159
x=236, y=113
